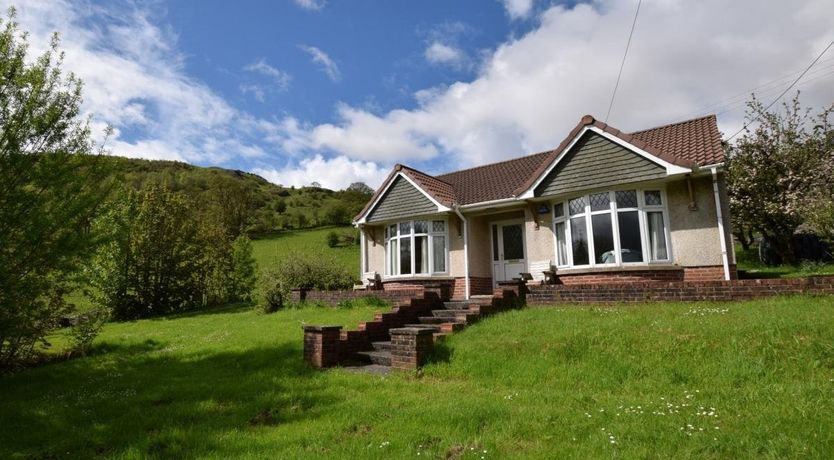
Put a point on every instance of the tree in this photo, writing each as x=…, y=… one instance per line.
x=152, y=263
x=336, y=214
x=773, y=170
x=50, y=186
x=360, y=187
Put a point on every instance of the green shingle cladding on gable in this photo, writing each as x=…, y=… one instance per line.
x=596, y=162
x=401, y=200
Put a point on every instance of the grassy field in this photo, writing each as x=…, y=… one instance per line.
x=688, y=380
x=269, y=250
x=748, y=262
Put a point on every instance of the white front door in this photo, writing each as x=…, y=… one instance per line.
x=508, y=254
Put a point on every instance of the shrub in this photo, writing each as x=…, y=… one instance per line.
x=274, y=294
x=86, y=329
x=308, y=270
x=332, y=239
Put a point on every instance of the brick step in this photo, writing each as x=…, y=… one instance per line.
x=452, y=327
x=382, y=358
x=432, y=320
x=434, y=327
x=465, y=304
x=449, y=313
x=382, y=346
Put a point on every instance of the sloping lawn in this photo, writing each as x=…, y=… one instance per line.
x=699, y=380
x=268, y=250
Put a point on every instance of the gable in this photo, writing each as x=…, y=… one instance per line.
x=595, y=162
x=401, y=200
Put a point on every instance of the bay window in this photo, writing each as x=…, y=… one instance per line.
x=416, y=248
x=611, y=228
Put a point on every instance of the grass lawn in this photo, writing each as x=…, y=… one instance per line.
x=748, y=262
x=682, y=380
x=268, y=250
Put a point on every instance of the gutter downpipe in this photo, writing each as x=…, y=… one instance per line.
x=718, y=213
x=465, y=250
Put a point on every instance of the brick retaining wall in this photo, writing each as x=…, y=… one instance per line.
x=678, y=291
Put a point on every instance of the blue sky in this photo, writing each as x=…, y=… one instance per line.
x=339, y=91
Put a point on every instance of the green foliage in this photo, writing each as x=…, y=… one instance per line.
x=274, y=293
x=86, y=329
x=246, y=202
x=165, y=256
x=308, y=269
x=244, y=278
x=50, y=186
x=332, y=239
x=773, y=170
x=152, y=265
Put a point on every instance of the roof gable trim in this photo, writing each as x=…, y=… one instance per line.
x=384, y=191
x=671, y=169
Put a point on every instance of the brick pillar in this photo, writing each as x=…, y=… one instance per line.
x=410, y=347
x=321, y=345
x=519, y=291
x=437, y=293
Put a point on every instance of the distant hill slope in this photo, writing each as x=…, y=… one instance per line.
x=269, y=207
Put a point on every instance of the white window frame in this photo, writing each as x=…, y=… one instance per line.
x=393, y=272
x=642, y=211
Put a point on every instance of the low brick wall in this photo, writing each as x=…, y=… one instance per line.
x=706, y=273
x=678, y=291
x=334, y=297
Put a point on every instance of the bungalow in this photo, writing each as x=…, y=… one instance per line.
x=603, y=207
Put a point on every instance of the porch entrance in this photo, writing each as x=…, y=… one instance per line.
x=508, y=252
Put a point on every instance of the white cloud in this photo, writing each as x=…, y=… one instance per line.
x=280, y=78
x=328, y=65
x=533, y=89
x=313, y=5
x=257, y=91
x=440, y=53
x=335, y=173
x=518, y=9
x=134, y=80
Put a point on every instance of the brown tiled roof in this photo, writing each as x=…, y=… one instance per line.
x=439, y=189
x=697, y=140
x=493, y=181
x=688, y=144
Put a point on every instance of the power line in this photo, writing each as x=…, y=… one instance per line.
x=786, y=89
x=622, y=64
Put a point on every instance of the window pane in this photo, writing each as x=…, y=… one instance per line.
x=405, y=228
x=561, y=244
x=421, y=226
x=603, y=239
x=405, y=256
x=653, y=198
x=421, y=254
x=494, y=242
x=439, y=254
x=559, y=209
x=513, y=241
x=438, y=226
x=600, y=201
x=392, y=230
x=630, y=242
x=579, y=241
x=577, y=205
x=392, y=257
x=657, y=236
x=627, y=199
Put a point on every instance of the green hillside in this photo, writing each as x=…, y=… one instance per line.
x=264, y=206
